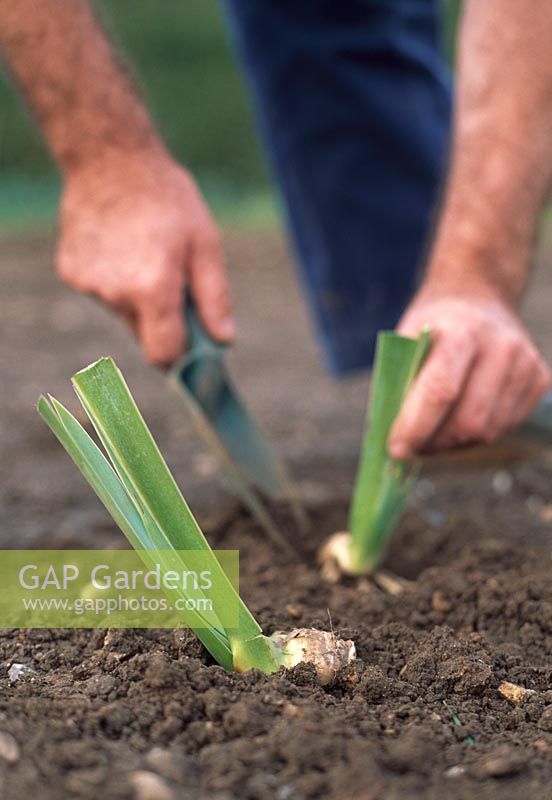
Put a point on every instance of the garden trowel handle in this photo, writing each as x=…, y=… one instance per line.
x=199, y=341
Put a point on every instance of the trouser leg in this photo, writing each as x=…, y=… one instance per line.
x=353, y=99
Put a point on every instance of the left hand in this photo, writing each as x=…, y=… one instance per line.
x=483, y=376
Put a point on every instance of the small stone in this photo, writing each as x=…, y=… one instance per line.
x=503, y=762
x=541, y=746
x=85, y=781
x=440, y=603
x=100, y=685
x=514, y=693
x=545, y=512
x=293, y=611
x=171, y=765
x=18, y=671
x=502, y=482
x=390, y=584
x=285, y=792
x=9, y=749
x=455, y=772
x=545, y=721
x=149, y=786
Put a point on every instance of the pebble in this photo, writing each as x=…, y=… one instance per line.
x=18, y=671
x=100, y=685
x=514, y=693
x=149, y=786
x=505, y=761
x=293, y=611
x=440, y=603
x=455, y=772
x=545, y=512
x=545, y=721
x=172, y=766
x=285, y=792
x=9, y=749
x=502, y=482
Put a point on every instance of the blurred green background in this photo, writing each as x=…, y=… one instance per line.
x=182, y=62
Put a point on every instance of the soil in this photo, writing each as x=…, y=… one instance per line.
x=103, y=706
x=146, y=714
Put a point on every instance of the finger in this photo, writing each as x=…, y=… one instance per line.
x=433, y=395
x=209, y=287
x=472, y=418
x=536, y=386
x=525, y=382
x=411, y=325
x=161, y=332
x=514, y=394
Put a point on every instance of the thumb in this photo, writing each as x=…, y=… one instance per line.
x=161, y=332
x=208, y=281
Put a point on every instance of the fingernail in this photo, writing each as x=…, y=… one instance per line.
x=398, y=450
x=227, y=328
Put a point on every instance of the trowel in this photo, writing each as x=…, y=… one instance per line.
x=225, y=424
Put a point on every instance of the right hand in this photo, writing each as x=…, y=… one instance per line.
x=483, y=376
x=134, y=231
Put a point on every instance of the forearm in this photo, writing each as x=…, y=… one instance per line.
x=63, y=63
x=502, y=147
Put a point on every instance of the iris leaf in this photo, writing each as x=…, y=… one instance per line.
x=384, y=484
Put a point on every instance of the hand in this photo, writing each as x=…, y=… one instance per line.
x=134, y=232
x=482, y=378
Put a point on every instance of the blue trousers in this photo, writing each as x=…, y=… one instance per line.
x=353, y=99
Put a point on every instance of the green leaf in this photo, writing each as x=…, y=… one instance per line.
x=96, y=469
x=383, y=484
x=145, y=501
x=105, y=482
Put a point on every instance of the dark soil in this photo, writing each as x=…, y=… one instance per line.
x=146, y=714
x=417, y=716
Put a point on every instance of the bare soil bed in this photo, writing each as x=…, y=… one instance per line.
x=118, y=714
x=102, y=707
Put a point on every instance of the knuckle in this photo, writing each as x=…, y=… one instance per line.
x=512, y=346
x=147, y=289
x=464, y=339
x=472, y=428
x=439, y=389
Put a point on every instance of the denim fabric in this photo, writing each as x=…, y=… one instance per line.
x=353, y=99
